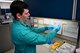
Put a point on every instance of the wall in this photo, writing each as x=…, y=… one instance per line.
x=78, y=11
x=61, y=9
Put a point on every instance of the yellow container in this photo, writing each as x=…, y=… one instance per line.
x=55, y=45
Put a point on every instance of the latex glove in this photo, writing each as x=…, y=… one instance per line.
x=58, y=27
x=51, y=27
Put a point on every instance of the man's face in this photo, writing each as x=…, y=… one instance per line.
x=25, y=15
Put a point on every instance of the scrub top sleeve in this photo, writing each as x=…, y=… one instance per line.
x=38, y=30
x=29, y=37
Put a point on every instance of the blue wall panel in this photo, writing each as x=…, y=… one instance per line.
x=61, y=9
x=3, y=11
x=78, y=10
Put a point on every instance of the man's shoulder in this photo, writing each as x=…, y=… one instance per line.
x=19, y=26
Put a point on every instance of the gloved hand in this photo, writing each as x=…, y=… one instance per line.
x=51, y=42
x=58, y=27
x=51, y=27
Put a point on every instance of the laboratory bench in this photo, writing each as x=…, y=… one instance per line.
x=68, y=43
x=69, y=33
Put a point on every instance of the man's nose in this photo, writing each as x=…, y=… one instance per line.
x=29, y=14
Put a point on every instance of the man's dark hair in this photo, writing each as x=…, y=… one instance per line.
x=17, y=7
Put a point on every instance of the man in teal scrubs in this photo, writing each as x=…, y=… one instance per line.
x=25, y=37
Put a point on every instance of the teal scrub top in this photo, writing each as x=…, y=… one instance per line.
x=25, y=38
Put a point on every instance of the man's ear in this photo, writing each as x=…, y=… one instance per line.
x=18, y=15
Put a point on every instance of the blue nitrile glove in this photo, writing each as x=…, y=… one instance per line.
x=58, y=27
x=51, y=27
x=51, y=42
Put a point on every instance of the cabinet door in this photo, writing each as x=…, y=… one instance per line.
x=5, y=38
